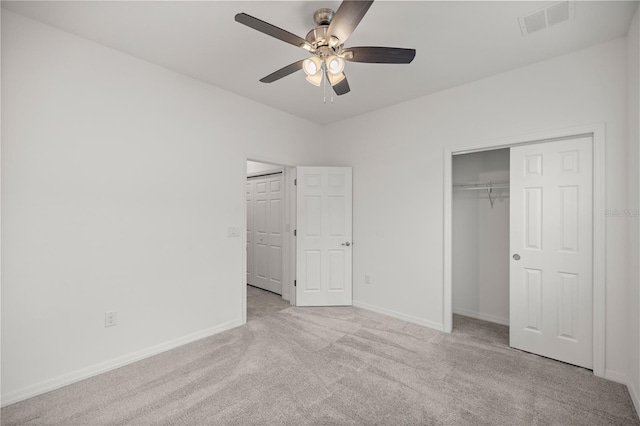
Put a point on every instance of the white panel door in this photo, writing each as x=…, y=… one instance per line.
x=260, y=233
x=249, y=195
x=274, y=233
x=264, y=232
x=551, y=284
x=324, y=229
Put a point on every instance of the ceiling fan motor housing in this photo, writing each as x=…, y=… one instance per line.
x=323, y=16
x=322, y=45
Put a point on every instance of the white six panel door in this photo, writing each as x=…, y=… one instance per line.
x=274, y=233
x=551, y=283
x=264, y=232
x=323, y=243
x=249, y=195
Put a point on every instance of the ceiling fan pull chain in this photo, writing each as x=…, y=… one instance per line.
x=324, y=84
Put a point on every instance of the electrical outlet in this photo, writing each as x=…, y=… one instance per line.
x=233, y=231
x=110, y=319
x=367, y=278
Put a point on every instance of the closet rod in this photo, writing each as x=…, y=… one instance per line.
x=481, y=185
x=487, y=186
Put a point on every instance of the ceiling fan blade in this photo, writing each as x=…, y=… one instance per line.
x=380, y=55
x=347, y=18
x=342, y=87
x=283, y=72
x=272, y=30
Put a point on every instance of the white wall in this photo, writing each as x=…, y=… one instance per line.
x=480, y=240
x=633, y=158
x=397, y=159
x=119, y=180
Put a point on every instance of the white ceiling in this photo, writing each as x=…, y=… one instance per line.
x=456, y=42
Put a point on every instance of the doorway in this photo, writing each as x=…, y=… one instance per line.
x=269, y=258
x=595, y=135
x=480, y=269
x=480, y=232
x=316, y=232
x=265, y=226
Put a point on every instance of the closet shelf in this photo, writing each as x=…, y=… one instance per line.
x=487, y=185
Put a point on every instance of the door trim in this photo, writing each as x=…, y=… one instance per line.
x=597, y=131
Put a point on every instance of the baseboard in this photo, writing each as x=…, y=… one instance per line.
x=633, y=392
x=624, y=379
x=85, y=373
x=616, y=376
x=400, y=316
x=479, y=315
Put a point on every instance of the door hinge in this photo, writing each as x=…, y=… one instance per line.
x=295, y=182
x=295, y=232
x=295, y=284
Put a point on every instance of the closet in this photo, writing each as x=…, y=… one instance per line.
x=265, y=206
x=480, y=235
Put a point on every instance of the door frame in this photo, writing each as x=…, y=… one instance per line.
x=597, y=131
x=288, y=241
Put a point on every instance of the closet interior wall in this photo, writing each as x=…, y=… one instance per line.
x=480, y=278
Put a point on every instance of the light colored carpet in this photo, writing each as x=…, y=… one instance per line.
x=261, y=303
x=325, y=366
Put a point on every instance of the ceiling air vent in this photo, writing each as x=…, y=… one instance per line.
x=552, y=15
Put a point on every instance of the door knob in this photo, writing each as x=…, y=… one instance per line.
x=346, y=244
x=516, y=256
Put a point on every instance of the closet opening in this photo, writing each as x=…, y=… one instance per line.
x=480, y=243
x=268, y=245
x=556, y=255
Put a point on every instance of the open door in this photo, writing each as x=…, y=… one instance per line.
x=551, y=279
x=324, y=230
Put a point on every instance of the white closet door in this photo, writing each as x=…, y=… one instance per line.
x=274, y=233
x=250, y=271
x=551, y=283
x=261, y=233
x=264, y=232
x=323, y=244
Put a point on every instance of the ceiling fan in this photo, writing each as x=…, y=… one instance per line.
x=326, y=44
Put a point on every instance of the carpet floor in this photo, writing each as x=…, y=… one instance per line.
x=261, y=303
x=326, y=366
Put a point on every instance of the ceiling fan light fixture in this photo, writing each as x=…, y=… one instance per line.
x=315, y=79
x=312, y=66
x=335, y=78
x=335, y=65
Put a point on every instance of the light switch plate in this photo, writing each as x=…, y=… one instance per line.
x=110, y=319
